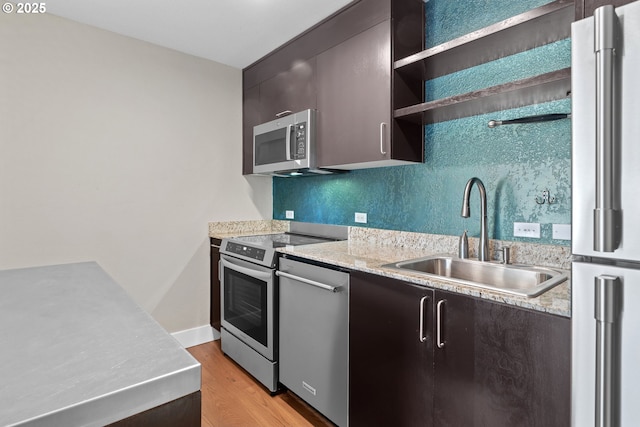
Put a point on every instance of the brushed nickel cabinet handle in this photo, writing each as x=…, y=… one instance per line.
x=283, y=113
x=383, y=125
x=421, y=336
x=439, y=340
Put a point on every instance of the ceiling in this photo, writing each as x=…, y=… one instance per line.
x=232, y=32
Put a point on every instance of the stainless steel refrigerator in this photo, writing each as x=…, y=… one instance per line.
x=606, y=218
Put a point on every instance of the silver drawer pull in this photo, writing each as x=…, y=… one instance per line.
x=383, y=125
x=283, y=113
x=308, y=281
x=421, y=336
x=439, y=340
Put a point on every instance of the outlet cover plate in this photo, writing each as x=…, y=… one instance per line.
x=361, y=217
x=288, y=214
x=526, y=229
x=561, y=231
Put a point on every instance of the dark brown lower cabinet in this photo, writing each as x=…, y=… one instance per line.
x=390, y=368
x=215, y=316
x=483, y=363
x=500, y=365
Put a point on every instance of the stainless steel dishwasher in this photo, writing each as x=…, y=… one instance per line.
x=314, y=336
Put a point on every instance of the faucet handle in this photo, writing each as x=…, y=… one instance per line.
x=506, y=254
x=463, y=246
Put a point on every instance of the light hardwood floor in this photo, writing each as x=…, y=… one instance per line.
x=232, y=398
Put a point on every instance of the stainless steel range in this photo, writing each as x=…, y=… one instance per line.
x=249, y=295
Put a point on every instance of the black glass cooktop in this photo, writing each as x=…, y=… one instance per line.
x=262, y=248
x=280, y=240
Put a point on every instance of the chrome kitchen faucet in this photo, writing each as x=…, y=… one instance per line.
x=483, y=247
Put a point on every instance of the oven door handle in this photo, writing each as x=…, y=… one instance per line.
x=258, y=274
x=308, y=281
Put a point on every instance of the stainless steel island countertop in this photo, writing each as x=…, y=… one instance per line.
x=77, y=351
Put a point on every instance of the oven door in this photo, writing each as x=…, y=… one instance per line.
x=248, y=303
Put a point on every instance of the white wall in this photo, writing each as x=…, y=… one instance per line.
x=119, y=151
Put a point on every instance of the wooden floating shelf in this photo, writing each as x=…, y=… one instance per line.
x=542, y=88
x=534, y=28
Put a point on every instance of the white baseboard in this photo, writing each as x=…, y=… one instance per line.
x=196, y=336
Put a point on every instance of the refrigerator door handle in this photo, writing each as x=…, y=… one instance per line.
x=608, y=307
x=606, y=215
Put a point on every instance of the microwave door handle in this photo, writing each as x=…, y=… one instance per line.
x=287, y=141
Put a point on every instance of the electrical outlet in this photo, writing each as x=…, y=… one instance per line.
x=361, y=217
x=562, y=231
x=526, y=229
x=288, y=214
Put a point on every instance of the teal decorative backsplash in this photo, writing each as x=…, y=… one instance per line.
x=551, y=57
x=515, y=162
x=449, y=19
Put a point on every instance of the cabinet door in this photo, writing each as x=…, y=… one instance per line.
x=354, y=99
x=215, y=317
x=454, y=349
x=501, y=365
x=251, y=116
x=390, y=367
x=293, y=90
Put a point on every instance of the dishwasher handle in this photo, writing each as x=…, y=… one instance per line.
x=308, y=281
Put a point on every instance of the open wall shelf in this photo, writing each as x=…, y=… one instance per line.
x=537, y=27
x=542, y=88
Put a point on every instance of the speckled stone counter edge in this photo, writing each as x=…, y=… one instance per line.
x=522, y=253
x=224, y=229
x=368, y=249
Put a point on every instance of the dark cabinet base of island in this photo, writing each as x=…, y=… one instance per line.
x=183, y=412
x=420, y=356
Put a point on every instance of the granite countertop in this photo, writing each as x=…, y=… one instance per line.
x=77, y=351
x=369, y=249
x=363, y=256
x=221, y=230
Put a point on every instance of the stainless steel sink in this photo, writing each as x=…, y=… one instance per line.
x=528, y=281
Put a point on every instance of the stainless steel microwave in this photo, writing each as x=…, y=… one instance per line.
x=286, y=146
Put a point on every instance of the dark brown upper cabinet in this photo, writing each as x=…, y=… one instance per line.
x=357, y=92
x=534, y=28
x=354, y=100
x=251, y=116
x=291, y=90
x=317, y=69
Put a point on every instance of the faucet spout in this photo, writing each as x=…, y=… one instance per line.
x=483, y=247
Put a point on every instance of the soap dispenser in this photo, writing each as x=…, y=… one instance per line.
x=463, y=246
